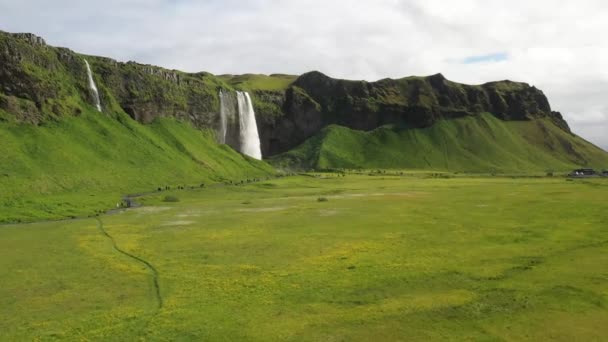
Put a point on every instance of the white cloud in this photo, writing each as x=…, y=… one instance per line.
x=558, y=46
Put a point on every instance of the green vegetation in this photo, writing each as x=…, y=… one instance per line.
x=384, y=256
x=146, y=88
x=42, y=88
x=387, y=258
x=80, y=166
x=252, y=82
x=171, y=199
x=43, y=83
x=472, y=144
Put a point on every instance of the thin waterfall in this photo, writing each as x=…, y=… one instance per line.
x=228, y=129
x=93, y=86
x=249, y=137
x=223, y=118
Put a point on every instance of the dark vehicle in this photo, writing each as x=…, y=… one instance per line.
x=583, y=173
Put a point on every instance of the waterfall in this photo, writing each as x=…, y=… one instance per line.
x=223, y=118
x=249, y=138
x=237, y=126
x=93, y=86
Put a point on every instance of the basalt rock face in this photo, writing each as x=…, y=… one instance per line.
x=21, y=93
x=31, y=38
x=39, y=82
x=300, y=118
x=146, y=92
x=315, y=100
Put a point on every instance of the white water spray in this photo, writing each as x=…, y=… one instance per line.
x=93, y=86
x=237, y=126
x=249, y=137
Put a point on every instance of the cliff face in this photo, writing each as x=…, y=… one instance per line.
x=39, y=82
x=315, y=101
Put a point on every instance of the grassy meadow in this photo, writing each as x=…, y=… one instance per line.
x=320, y=258
x=251, y=82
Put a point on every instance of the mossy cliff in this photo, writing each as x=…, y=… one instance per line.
x=315, y=101
x=39, y=82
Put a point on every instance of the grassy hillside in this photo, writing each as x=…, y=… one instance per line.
x=78, y=165
x=251, y=82
x=482, y=143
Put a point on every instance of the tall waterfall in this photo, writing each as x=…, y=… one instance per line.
x=223, y=117
x=237, y=125
x=250, y=139
x=93, y=86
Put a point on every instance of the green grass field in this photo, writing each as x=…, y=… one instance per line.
x=380, y=258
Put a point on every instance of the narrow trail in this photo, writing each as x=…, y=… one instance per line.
x=149, y=266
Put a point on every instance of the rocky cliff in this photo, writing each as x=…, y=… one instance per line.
x=315, y=101
x=39, y=83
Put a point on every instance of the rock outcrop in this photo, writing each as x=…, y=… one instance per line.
x=31, y=38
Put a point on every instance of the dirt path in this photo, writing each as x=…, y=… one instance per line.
x=149, y=266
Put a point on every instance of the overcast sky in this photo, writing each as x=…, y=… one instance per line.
x=558, y=46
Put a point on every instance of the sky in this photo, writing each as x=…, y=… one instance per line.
x=557, y=46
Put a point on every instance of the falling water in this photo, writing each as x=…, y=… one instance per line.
x=223, y=118
x=237, y=126
x=93, y=86
x=249, y=138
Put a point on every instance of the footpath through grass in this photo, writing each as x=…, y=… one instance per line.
x=383, y=258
